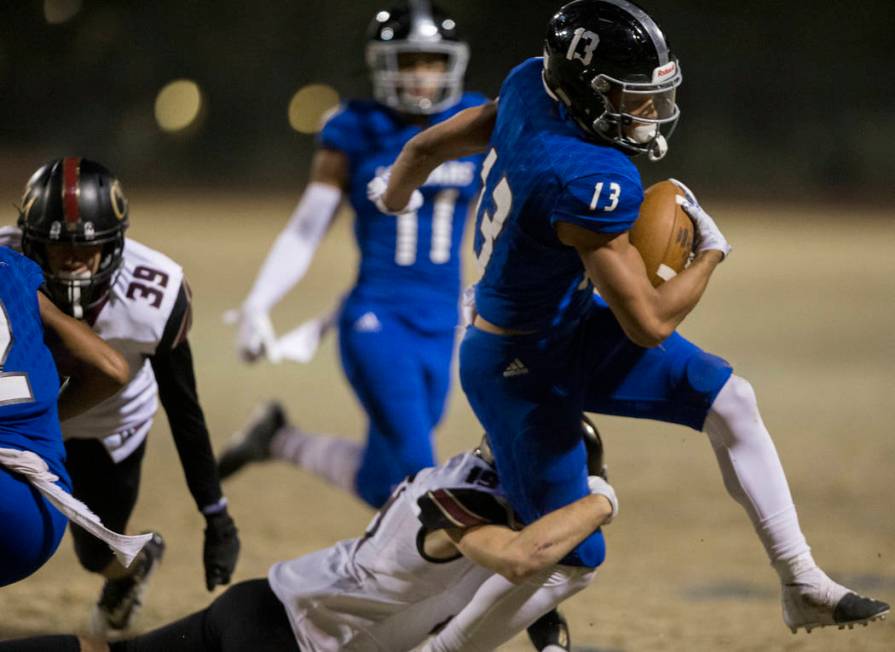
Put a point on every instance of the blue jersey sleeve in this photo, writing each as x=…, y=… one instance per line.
x=33, y=273
x=343, y=131
x=26, y=269
x=605, y=203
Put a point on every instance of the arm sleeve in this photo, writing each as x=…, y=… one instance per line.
x=292, y=252
x=605, y=203
x=173, y=367
x=462, y=508
x=500, y=610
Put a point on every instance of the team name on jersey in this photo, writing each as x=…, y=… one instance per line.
x=452, y=173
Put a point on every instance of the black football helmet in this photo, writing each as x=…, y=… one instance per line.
x=610, y=64
x=77, y=202
x=417, y=28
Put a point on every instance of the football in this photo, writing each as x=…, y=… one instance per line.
x=663, y=233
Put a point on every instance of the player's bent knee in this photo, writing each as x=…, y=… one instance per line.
x=736, y=398
x=32, y=529
x=23, y=553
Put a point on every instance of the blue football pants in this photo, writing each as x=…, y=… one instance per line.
x=30, y=527
x=529, y=393
x=401, y=377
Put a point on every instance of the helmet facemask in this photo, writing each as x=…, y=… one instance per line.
x=76, y=291
x=417, y=63
x=408, y=89
x=639, y=116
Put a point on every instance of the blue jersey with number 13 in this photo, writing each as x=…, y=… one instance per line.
x=542, y=170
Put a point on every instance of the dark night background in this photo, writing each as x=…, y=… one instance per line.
x=779, y=99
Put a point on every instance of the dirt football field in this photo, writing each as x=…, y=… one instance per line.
x=804, y=308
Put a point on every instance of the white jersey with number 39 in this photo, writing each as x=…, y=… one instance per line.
x=381, y=592
x=133, y=321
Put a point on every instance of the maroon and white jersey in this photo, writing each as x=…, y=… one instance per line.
x=381, y=592
x=132, y=321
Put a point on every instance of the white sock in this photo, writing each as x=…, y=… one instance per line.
x=333, y=459
x=755, y=479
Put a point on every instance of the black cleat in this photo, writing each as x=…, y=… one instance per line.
x=252, y=443
x=815, y=604
x=121, y=598
x=854, y=609
x=550, y=633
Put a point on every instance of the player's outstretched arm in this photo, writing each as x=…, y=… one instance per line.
x=467, y=133
x=292, y=252
x=518, y=555
x=95, y=369
x=648, y=315
x=173, y=367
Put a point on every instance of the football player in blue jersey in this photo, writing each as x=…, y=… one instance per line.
x=397, y=324
x=560, y=195
x=31, y=406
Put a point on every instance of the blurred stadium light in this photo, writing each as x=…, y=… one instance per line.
x=178, y=105
x=309, y=105
x=777, y=100
x=59, y=11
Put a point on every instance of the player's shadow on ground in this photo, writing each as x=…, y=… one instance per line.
x=867, y=584
x=590, y=648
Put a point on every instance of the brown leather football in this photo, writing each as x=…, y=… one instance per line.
x=663, y=234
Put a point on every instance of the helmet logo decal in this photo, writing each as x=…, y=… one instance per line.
x=27, y=203
x=71, y=176
x=662, y=73
x=592, y=41
x=119, y=203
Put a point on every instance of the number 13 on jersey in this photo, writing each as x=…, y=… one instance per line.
x=492, y=221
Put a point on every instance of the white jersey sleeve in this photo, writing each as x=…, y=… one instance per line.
x=133, y=321
x=381, y=591
x=11, y=236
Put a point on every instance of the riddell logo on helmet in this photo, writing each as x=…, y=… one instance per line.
x=664, y=72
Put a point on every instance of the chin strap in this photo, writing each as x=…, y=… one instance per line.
x=658, y=149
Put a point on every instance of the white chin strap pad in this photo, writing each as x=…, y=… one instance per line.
x=659, y=148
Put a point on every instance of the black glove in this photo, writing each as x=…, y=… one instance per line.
x=221, y=549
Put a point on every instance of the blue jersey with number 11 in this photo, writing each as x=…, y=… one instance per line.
x=411, y=262
x=29, y=382
x=542, y=170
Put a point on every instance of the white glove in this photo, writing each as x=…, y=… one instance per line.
x=254, y=335
x=301, y=343
x=708, y=235
x=376, y=189
x=599, y=486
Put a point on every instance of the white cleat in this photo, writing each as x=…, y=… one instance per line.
x=821, y=602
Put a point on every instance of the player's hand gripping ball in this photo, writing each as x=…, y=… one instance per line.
x=663, y=234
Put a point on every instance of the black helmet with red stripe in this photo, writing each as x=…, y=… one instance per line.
x=76, y=205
